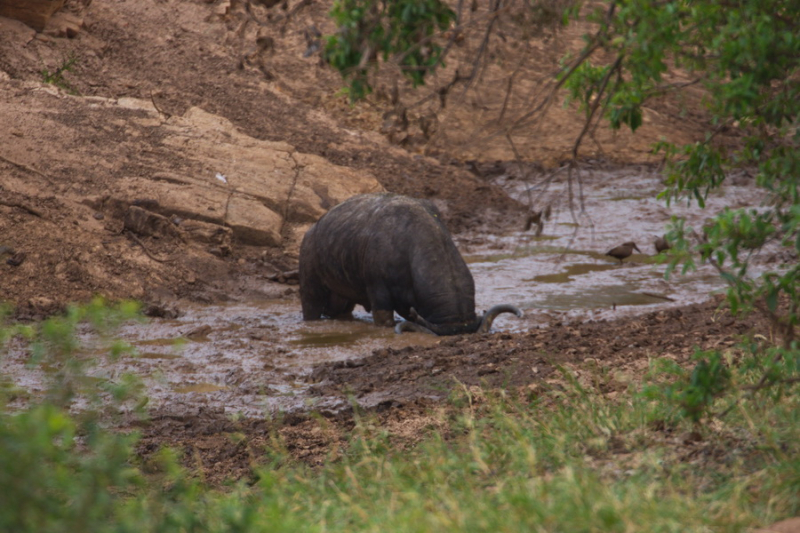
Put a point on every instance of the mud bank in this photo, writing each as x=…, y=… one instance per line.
x=258, y=358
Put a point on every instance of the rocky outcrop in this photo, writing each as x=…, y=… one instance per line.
x=34, y=13
x=193, y=176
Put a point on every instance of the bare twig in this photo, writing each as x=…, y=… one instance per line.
x=595, y=105
x=667, y=87
x=150, y=254
x=509, y=90
x=494, y=14
x=25, y=167
x=24, y=207
x=292, y=12
x=158, y=109
x=596, y=42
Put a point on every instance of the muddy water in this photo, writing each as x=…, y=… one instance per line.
x=564, y=272
x=251, y=358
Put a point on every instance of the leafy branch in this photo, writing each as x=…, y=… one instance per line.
x=369, y=29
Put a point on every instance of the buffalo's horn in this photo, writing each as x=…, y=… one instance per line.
x=406, y=325
x=422, y=324
x=439, y=329
x=418, y=319
x=491, y=314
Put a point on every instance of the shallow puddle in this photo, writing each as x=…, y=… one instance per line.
x=253, y=358
x=570, y=272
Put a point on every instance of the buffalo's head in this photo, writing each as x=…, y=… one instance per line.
x=481, y=325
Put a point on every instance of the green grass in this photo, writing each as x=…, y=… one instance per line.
x=565, y=461
x=559, y=456
x=582, y=464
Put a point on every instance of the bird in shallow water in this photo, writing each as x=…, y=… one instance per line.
x=623, y=250
x=661, y=244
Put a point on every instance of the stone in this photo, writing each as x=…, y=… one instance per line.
x=187, y=199
x=253, y=223
x=223, y=186
x=272, y=172
x=206, y=233
x=64, y=25
x=34, y=13
x=322, y=185
x=148, y=224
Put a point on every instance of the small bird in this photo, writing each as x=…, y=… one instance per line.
x=661, y=244
x=623, y=250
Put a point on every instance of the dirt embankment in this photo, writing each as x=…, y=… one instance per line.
x=151, y=107
x=116, y=125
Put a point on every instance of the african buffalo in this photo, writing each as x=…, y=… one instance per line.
x=390, y=253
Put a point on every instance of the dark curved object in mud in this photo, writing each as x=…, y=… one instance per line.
x=491, y=314
x=482, y=325
x=407, y=325
x=389, y=253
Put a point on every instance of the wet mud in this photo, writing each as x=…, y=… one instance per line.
x=255, y=368
x=402, y=382
x=565, y=270
x=258, y=358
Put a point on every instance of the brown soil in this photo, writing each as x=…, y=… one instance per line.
x=404, y=389
x=185, y=53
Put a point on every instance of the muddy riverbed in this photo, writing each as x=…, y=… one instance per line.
x=258, y=358
x=237, y=352
x=565, y=268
